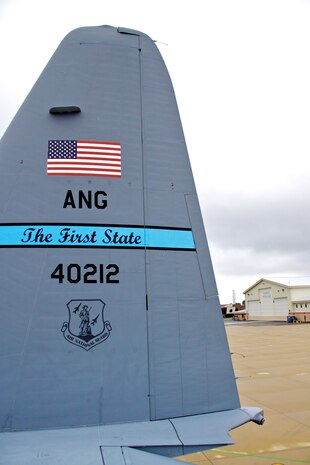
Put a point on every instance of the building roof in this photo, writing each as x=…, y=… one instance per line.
x=289, y=283
x=261, y=280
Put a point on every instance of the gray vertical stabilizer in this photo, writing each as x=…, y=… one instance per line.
x=109, y=307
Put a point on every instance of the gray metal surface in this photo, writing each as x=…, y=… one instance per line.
x=109, y=306
x=83, y=445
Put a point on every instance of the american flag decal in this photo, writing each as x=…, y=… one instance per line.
x=84, y=158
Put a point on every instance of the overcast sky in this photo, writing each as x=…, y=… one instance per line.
x=241, y=74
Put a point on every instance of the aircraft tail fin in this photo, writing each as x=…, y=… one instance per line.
x=109, y=301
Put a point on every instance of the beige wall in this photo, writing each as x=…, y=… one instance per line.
x=301, y=292
x=277, y=290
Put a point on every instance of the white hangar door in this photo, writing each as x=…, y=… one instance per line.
x=253, y=307
x=281, y=306
x=266, y=302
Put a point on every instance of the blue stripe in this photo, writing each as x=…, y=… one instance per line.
x=95, y=236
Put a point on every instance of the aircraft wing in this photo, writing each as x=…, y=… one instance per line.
x=124, y=444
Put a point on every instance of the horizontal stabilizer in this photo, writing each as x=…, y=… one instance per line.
x=81, y=446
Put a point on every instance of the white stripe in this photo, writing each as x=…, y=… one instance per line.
x=117, y=158
x=75, y=162
x=112, y=152
x=86, y=167
x=98, y=144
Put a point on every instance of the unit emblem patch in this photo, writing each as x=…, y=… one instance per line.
x=86, y=327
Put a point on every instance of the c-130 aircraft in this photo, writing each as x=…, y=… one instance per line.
x=113, y=348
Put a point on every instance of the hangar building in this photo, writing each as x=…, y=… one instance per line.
x=273, y=300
